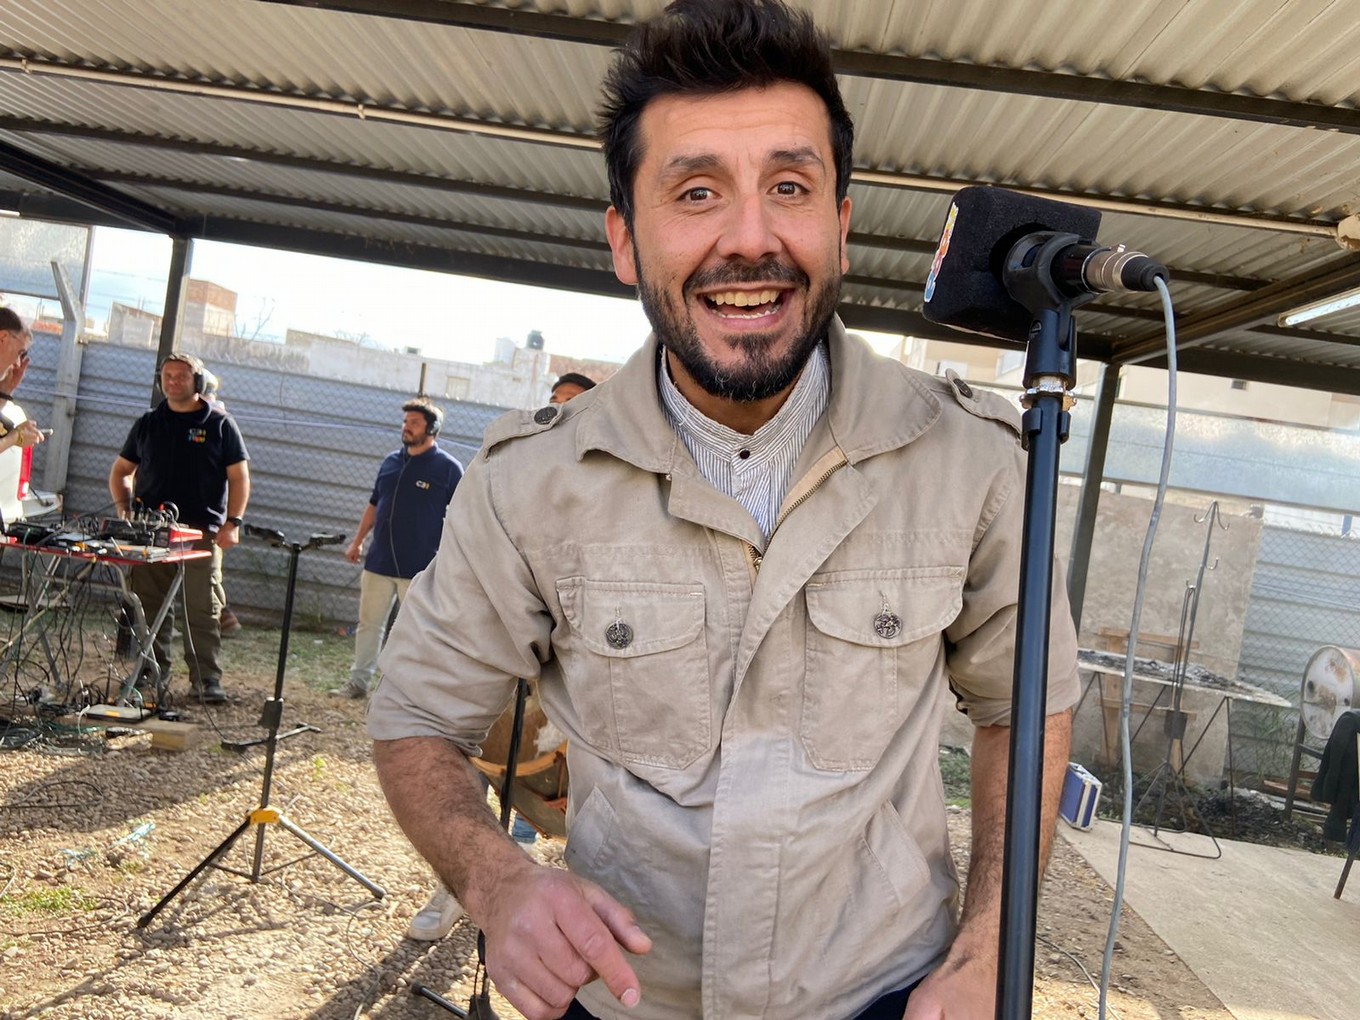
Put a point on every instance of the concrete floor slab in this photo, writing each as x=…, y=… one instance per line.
x=1259, y=925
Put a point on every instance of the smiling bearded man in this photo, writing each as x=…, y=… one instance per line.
x=745, y=573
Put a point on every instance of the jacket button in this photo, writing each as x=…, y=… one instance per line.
x=887, y=625
x=545, y=414
x=964, y=389
x=618, y=635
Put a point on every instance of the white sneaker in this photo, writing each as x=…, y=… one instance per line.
x=436, y=918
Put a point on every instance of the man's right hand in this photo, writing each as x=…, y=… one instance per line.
x=354, y=550
x=29, y=434
x=549, y=932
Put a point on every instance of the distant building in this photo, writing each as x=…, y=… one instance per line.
x=519, y=377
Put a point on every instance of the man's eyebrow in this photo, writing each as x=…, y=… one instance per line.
x=680, y=167
x=804, y=155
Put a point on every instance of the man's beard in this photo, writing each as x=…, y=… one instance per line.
x=762, y=374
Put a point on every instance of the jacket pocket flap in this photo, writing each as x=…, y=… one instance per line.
x=624, y=619
x=885, y=608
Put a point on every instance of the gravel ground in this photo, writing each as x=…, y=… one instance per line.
x=79, y=866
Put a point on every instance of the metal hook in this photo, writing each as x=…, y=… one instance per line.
x=1213, y=513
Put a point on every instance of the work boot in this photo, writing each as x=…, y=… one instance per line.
x=210, y=692
x=349, y=689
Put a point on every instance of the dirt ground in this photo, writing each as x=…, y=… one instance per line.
x=95, y=829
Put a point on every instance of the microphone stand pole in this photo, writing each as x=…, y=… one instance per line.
x=1050, y=374
x=272, y=717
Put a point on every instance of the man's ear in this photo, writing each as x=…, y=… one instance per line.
x=845, y=233
x=621, y=244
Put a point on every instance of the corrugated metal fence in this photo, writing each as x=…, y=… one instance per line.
x=1305, y=593
x=315, y=445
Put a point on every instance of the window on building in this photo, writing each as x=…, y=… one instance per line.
x=1239, y=384
x=942, y=366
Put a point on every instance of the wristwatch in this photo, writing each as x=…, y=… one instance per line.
x=235, y=520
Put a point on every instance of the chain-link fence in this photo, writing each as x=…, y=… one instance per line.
x=1305, y=594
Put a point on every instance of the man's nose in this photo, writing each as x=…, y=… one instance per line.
x=748, y=230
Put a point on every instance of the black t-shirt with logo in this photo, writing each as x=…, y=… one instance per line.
x=182, y=458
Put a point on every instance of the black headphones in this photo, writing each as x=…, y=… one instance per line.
x=434, y=417
x=186, y=359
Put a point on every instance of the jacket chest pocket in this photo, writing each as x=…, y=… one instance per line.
x=636, y=664
x=873, y=641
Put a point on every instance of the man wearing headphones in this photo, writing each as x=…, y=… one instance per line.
x=187, y=453
x=405, y=513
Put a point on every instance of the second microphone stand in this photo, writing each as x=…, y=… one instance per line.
x=264, y=815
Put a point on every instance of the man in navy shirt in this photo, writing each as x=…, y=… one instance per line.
x=405, y=514
x=187, y=453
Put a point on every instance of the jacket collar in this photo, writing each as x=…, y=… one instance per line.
x=876, y=405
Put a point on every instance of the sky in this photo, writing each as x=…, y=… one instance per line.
x=451, y=317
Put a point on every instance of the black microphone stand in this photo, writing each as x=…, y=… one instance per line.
x=1050, y=374
x=479, y=1004
x=272, y=716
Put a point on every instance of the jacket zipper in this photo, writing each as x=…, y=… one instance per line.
x=753, y=557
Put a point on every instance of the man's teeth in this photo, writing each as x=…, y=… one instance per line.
x=744, y=298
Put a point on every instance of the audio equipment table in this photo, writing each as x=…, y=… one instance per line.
x=59, y=563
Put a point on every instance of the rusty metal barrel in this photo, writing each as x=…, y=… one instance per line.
x=1331, y=687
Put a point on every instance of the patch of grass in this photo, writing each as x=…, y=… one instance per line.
x=318, y=659
x=956, y=771
x=61, y=900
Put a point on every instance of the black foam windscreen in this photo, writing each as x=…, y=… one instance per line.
x=964, y=289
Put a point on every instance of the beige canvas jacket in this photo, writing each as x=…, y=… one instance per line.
x=753, y=727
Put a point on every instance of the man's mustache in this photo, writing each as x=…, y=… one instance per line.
x=769, y=270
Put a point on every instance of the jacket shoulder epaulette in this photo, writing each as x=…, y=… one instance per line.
x=517, y=424
x=983, y=403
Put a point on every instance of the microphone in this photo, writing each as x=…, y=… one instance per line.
x=270, y=535
x=989, y=228
x=325, y=539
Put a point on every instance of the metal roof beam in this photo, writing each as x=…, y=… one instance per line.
x=63, y=181
x=1308, y=375
x=307, y=163
x=366, y=212
x=412, y=256
x=49, y=206
x=1262, y=307
x=890, y=67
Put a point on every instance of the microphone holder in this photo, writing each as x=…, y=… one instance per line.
x=1050, y=374
x=272, y=716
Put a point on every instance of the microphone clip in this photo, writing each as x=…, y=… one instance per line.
x=1029, y=278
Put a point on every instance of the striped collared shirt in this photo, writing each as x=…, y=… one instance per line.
x=754, y=470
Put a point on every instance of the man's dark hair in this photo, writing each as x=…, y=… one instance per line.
x=10, y=321
x=434, y=417
x=194, y=362
x=705, y=48
x=574, y=379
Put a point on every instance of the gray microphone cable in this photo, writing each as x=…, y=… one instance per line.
x=1168, y=315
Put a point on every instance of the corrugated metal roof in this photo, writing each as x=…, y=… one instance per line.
x=467, y=133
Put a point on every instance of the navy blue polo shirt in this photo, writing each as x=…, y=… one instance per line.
x=411, y=495
x=182, y=458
